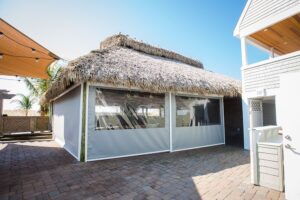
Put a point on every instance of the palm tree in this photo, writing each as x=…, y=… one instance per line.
x=25, y=103
x=39, y=86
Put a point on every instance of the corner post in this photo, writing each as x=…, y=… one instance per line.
x=245, y=102
x=171, y=121
x=222, y=117
x=83, y=123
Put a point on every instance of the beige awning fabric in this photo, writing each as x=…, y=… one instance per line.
x=5, y=95
x=22, y=56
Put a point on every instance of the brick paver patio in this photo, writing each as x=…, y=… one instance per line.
x=42, y=170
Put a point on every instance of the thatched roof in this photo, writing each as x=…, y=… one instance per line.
x=124, y=41
x=125, y=62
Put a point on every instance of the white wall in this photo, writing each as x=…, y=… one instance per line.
x=266, y=74
x=66, y=120
x=263, y=80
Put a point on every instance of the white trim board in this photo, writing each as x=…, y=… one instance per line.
x=65, y=92
x=129, y=155
x=222, y=115
x=80, y=120
x=155, y=152
x=170, y=122
x=236, y=31
x=199, y=147
x=86, y=121
x=271, y=60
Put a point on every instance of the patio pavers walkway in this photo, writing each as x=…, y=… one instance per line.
x=42, y=170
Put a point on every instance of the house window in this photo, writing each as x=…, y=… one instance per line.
x=193, y=111
x=128, y=110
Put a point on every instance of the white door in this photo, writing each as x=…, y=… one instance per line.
x=289, y=118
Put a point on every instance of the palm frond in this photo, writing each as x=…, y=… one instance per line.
x=31, y=86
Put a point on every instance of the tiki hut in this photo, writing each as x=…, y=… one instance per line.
x=130, y=98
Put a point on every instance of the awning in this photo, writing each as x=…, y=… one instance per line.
x=22, y=56
x=5, y=95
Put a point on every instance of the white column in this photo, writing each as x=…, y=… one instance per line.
x=244, y=96
x=244, y=51
x=171, y=121
x=222, y=117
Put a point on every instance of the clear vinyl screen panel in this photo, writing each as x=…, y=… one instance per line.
x=125, y=123
x=196, y=111
x=197, y=122
x=129, y=110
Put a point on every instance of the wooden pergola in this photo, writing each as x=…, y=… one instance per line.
x=22, y=56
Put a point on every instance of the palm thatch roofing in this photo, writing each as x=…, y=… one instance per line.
x=125, y=62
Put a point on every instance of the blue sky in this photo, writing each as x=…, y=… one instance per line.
x=201, y=29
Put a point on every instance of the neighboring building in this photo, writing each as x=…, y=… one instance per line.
x=270, y=88
x=130, y=98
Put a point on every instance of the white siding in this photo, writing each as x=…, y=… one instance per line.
x=259, y=10
x=66, y=116
x=267, y=75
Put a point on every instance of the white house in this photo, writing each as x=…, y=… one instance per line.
x=270, y=87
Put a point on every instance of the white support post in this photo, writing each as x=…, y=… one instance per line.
x=245, y=102
x=244, y=51
x=222, y=117
x=171, y=122
x=87, y=121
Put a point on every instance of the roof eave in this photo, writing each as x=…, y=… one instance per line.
x=236, y=31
